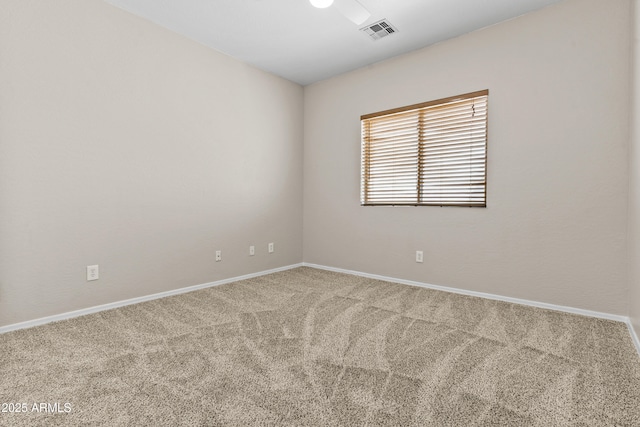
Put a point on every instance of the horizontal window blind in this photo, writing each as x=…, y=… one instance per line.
x=431, y=154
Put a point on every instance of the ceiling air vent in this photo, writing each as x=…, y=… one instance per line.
x=379, y=29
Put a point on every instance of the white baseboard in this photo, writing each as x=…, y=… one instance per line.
x=478, y=294
x=562, y=308
x=98, y=308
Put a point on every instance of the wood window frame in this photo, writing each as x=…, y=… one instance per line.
x=408, y=134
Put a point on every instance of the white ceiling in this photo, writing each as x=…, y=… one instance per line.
x=293, y=39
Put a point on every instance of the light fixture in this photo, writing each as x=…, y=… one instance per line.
x=351, y=9
x=321, y=4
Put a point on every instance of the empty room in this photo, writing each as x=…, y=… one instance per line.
x=320, y=212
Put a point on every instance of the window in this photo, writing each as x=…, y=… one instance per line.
x=429, y=154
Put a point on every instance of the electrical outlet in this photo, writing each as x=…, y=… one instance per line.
x=270, y=247
x=218, y=256
x=93, y=272
x=419, y=256
x=252, y=250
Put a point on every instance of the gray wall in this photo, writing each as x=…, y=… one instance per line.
x=634, y=180
x=125, y=145
x=555, y=226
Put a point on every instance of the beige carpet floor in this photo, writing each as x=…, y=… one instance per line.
x=307, y=347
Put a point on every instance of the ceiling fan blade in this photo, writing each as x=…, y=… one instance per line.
x=353, y=10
